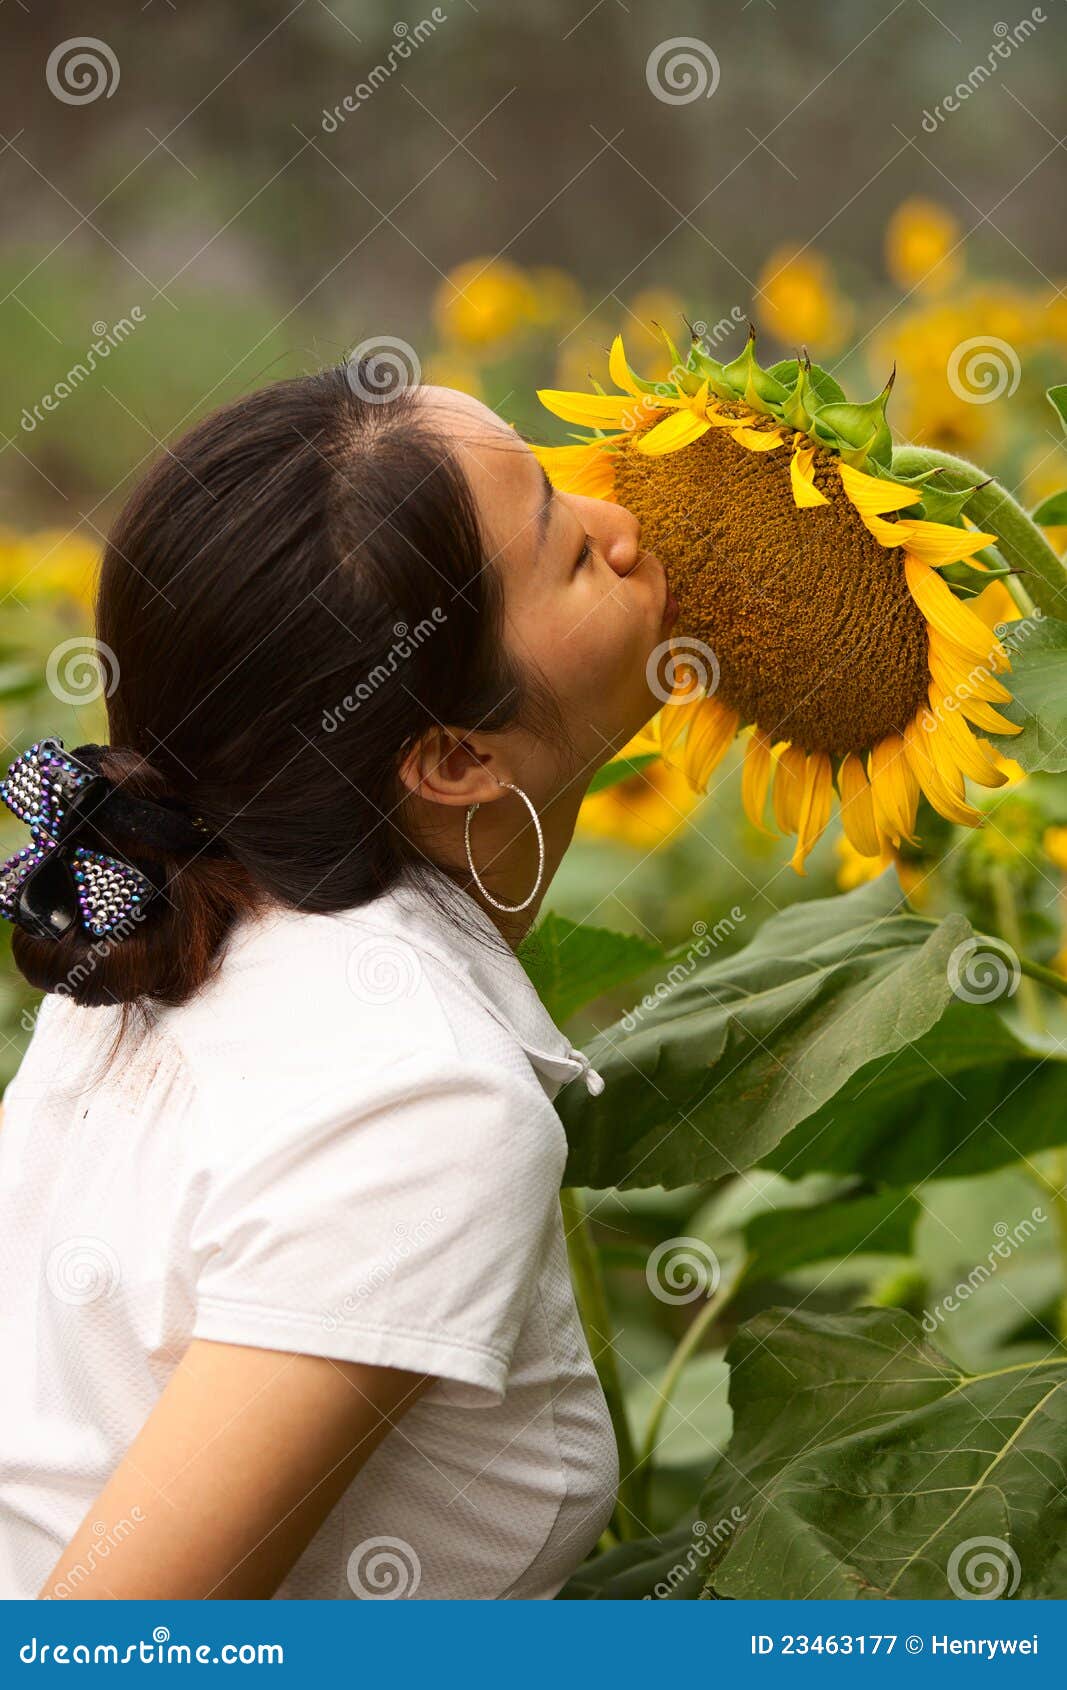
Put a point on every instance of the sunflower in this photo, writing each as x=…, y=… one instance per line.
x=814, y=611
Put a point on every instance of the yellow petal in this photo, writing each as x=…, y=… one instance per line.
x=995, y=604
x=975, y=763
x=673, y=720
x=945, y=802
x=802, y=479
x=886, y=533
x=579, y=469
x=603, y=410
x=619, y=370
x=977, y=675
x=943, y=610
x=894, y=789
x=814, y=806
x=788, y=787
x=711, y=734
x=857, y=808
x=673, y=433
x=984, y=716
x=1012, y=771
x=872, y=496
x=755, y=778
x=937, y=543
x=758, y=439
x=646, y=739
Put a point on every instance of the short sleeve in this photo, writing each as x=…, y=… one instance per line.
x=405, y=1231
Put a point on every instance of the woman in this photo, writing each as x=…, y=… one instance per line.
x=282, y=1272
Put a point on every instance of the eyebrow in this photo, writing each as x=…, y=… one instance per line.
x=544, y=514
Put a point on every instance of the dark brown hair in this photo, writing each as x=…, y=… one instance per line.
x=292, y=595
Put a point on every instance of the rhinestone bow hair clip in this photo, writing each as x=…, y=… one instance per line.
x=56, y=881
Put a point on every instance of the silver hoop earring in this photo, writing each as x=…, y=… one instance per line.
x=488, y=896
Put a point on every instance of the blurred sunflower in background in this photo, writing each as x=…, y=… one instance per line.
x=482, y=304
x=923, y=242
x=799, y=302
x=813, y=612
x=49, y=564
x=648, y=807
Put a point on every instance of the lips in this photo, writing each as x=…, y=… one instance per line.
x=670, y=612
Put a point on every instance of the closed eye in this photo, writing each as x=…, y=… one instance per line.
x=584, y=555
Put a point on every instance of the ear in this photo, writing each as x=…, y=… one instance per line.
x=450, y=768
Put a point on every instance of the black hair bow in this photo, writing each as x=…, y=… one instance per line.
x=54, y=882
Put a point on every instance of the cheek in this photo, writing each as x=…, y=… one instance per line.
x=599, y=656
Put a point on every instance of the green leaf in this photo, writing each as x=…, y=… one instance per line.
x=967, y=1096
x=708, y=1077
x=669, y=1567
x=570, y=964
x=783, y=1239
x=1051, y=512
x=865, y=1464
x=1057, y=398
x=620, y=768
x=1037, y=646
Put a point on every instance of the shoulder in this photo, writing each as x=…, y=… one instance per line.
x=317, y=1018
x=320, y=989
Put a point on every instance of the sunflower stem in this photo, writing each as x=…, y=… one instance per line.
x=1019, y=539
x=1007, y=908
x=685, y=1348
x=596, y=1319
x=1047, y=976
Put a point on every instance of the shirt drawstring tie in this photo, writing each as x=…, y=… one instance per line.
x=594, y=1082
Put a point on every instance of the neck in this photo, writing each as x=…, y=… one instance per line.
x=504, y=848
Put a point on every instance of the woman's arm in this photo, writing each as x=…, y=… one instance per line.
x=238, y=1464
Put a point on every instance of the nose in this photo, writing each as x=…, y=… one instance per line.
x=616, y=530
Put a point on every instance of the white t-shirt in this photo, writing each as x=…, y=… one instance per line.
x=344, y=1146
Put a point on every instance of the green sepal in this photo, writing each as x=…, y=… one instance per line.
x=971, y=580
x=757, y=387
x=862, y=429
x=684, y=381
x=701, y=364
x=857, y=456
x=1051, y=512
x=810, y=388
x=941, y=504
x=919, y=482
